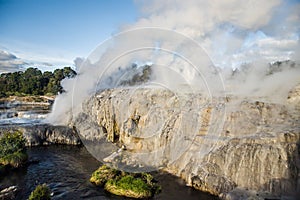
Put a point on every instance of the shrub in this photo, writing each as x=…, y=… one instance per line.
x=12, y=149
x=15, y=160
x=151, y=182
x=12, y=142
x=147, y=177
x=41, y=192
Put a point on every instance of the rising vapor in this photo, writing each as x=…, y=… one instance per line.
x=214, y=47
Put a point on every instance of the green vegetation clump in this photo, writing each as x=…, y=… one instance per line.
x=129, y=186
x=103, y=174
x=12, y=149
x=134, y=185
x=34, y=82
x=41, y=192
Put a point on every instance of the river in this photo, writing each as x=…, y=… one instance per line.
x=67, y=169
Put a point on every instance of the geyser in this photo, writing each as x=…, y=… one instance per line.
x=198, y=41
x=188, y=87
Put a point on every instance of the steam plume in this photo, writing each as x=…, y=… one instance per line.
x=231, y=43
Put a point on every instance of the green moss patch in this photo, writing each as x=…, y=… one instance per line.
x=134, y=185
x=103, y=174
x=129, y=186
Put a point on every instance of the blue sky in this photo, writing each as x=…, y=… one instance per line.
x=58, y=31
x=41, y=33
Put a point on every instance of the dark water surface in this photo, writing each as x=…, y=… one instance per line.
x=67, y=169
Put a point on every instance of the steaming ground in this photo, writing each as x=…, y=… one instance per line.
x=263, y=82
x=209, y=47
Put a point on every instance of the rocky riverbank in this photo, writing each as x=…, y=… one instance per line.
x=225, y=146
x=44, y=134
x=27, y=100
x=26, y=114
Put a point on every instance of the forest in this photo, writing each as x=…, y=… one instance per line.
x=34, y=82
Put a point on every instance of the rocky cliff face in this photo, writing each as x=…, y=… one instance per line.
x=224, y=146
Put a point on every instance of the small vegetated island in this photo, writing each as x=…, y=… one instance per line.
x=134, y=185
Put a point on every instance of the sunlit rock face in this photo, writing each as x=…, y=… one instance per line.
x=219, y=145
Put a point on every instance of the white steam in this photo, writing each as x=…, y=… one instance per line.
x=213, y=47
x=231, y=31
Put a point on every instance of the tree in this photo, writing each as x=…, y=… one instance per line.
x=68, y=72
x=34, y=82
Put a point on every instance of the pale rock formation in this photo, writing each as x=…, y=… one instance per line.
x=225, y=146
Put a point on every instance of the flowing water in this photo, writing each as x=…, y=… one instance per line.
x=66, y=170
x=11, y=113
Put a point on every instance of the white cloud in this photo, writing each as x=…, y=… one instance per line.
x=4, y=55
x=10, y=63
x=223, y=27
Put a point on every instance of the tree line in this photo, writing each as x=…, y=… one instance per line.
x=34, y=82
